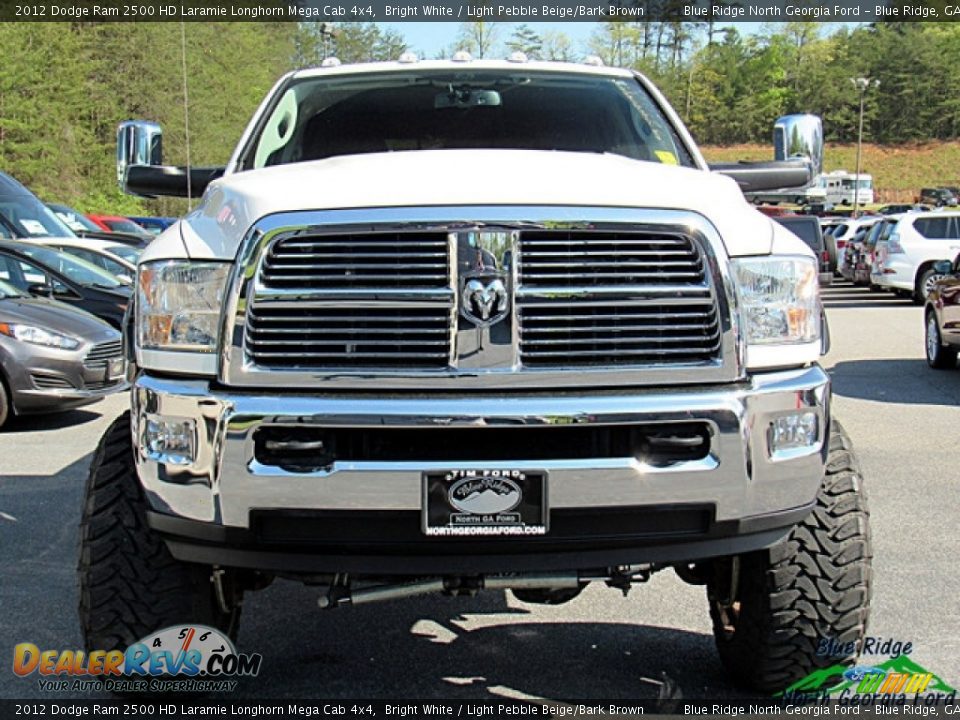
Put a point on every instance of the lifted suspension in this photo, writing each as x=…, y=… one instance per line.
x=341, y=592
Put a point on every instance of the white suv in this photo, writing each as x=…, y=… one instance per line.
x=905, y=261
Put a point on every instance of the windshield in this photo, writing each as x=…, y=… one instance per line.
x=25, y=216
x=484, y=109
x=126, y=226
x=125, y=252
x=76, y=221
x=80, y=271
x=9, y=291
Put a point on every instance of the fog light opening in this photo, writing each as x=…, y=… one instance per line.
x=793, y=434
x=170, y=440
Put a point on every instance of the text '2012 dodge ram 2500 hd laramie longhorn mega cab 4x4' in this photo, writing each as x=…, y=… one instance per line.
x=463, y=325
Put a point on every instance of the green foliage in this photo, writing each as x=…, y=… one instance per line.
x=730, y=88
x=61, y=101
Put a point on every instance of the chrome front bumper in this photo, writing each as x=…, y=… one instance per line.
x=739, y=477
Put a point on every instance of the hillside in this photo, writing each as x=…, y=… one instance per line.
x=899, y=171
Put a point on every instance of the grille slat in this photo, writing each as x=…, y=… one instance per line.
x=353, y=357
x=595, y=298
x=602, y=277
x=333, y=341
x=652, y=340
x=611, y=329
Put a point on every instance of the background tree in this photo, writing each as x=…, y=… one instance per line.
x=524, y=39
x=558, y=46
x=479, y=38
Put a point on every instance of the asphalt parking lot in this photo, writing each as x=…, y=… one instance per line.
x=901, y=415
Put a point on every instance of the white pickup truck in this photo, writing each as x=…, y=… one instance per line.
x=460, y=325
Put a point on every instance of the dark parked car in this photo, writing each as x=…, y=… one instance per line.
x=43, y=271
x=807, y=228
x=22, y=215
x=938, y=197
x=942, y=317
x=902, y=208
x=53, y=356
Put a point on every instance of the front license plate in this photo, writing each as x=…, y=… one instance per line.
x=485, y=502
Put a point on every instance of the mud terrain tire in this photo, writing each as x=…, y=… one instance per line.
x=812, y=586
x=130, y=584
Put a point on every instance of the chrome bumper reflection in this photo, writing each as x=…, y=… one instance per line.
x=739, y=476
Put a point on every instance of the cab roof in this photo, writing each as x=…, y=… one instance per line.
x=464, y=66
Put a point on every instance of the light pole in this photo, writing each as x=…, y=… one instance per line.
x=328, y=31
x=861, y=83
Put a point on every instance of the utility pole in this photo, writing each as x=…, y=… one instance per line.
x=861, y=83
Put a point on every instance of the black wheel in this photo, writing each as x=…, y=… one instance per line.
x=938, y=356
x=771, y=608
x=925, y=285
x=130, y=584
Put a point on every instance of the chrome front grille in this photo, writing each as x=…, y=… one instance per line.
x=357, y=260
x=614, y=298
x=353, y=301
x=100, y=355
x=481, y=298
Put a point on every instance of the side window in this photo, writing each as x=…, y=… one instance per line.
x=937, y=228
x=7, y=271
x=32, y=274
x=90, y=257
x=113, y=267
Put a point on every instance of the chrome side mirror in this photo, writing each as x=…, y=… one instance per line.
x=799, y=136
x=139, y=142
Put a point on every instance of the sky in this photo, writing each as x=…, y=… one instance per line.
x=428, y=38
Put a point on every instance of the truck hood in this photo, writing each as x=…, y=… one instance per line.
x=461, y=177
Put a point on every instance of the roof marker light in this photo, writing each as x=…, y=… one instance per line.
x=330, y=62
x=462, y=56
x=518, y=56
x=408, y=57
x=595, y=60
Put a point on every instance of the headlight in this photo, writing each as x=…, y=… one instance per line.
x=780, y=306
x=39, y=336
x=178, y=305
